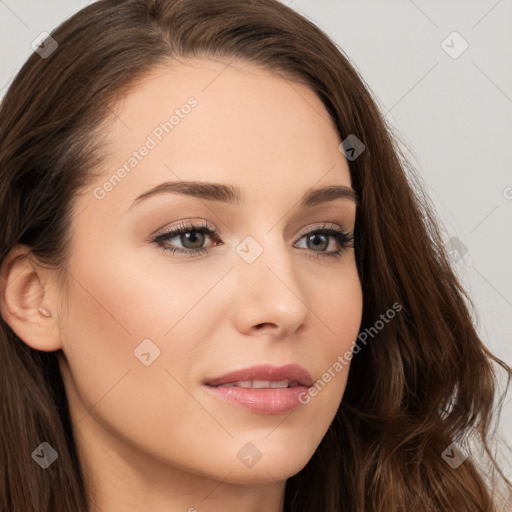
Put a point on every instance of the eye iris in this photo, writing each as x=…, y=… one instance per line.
x=192, y=236
x=323, y=244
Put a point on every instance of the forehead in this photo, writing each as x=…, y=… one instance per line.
x=223, y=121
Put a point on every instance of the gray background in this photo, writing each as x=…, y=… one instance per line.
x=454, y=114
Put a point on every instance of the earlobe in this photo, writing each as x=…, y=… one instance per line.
x=24, y=303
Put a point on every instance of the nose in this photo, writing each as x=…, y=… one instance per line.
x=269, y=299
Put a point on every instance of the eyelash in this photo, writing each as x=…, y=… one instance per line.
x=344, y=239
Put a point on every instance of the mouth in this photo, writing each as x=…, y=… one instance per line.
x=260, y=384
x=264, y=389
x=264, y=376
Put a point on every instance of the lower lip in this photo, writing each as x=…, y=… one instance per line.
x=263, y=401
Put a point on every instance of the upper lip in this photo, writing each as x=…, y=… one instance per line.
x=292, y=372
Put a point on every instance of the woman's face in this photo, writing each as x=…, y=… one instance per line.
x=147, y=329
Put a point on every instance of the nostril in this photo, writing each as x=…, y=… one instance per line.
x=260, y=326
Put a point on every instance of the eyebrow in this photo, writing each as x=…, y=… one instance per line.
x=233, y=195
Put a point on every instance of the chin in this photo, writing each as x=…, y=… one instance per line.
x=263, y=473
x=274, y=465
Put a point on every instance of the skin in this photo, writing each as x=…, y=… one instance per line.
x=150, y=437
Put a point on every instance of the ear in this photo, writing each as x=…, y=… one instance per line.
x=25, y=302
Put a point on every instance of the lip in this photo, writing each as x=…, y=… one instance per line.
x=263, y=400
x=292, y=372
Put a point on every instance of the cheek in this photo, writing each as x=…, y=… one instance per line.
x=150, y=294
x=340, y=313
x=123, y=314
x=341, y=309
x=107, y=383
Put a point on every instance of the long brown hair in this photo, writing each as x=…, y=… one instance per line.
x=425, y=381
